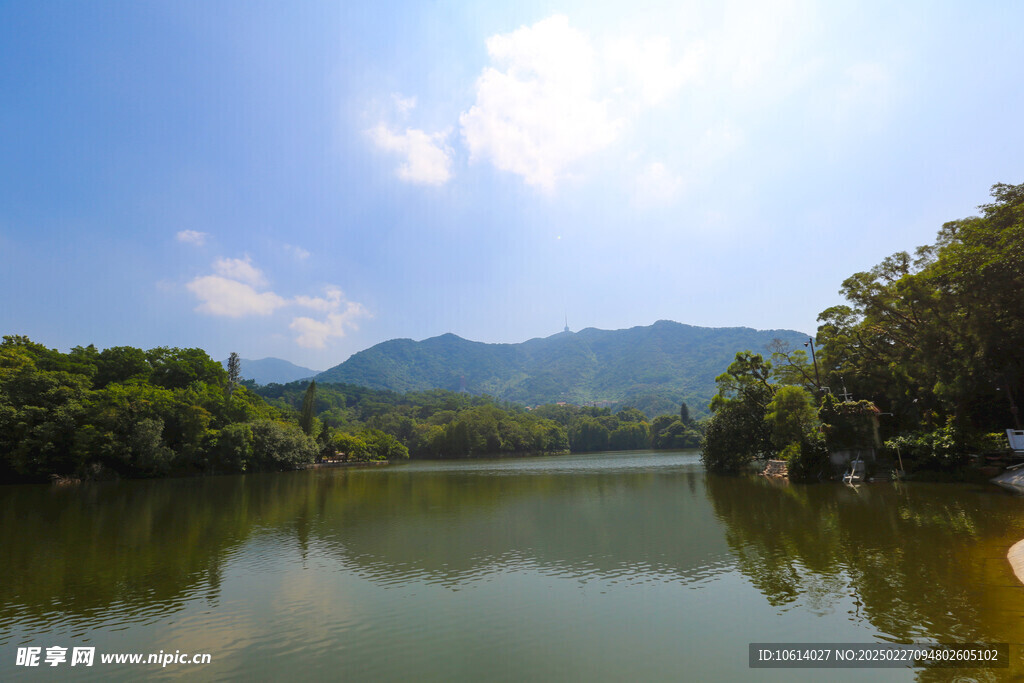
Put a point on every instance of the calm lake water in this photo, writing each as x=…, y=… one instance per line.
x=617, y=566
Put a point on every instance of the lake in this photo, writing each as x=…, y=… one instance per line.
x=614, y=566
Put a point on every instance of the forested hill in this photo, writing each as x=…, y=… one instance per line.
x=653, y=368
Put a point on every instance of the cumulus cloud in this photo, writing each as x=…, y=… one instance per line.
x=220, y=295
x=341, y=316
x=536, y=111
x=550, y=99
x=314, y=334
x=552, y=96
x=330, y=301
x=192, y=237
x=427, y=157
x=233, y=293
x=648, y=70
x=241, y=270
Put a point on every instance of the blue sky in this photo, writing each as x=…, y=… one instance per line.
x=304, y=180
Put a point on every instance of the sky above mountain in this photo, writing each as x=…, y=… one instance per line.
x=304, y=180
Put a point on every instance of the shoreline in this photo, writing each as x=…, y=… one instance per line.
x=1014, y=481
x=1016, y=558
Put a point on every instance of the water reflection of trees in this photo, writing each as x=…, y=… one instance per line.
x=921, y=562
x=454, y=526
x=140, y=548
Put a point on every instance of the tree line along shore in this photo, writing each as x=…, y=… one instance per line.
x=128, y=412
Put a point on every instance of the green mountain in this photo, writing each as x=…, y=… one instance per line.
x=653, y=368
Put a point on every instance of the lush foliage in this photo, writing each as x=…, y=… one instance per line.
x=598, y=429
x=738, y=431
x=426, y=424
x=935, y=339
x=760, y=413
x=936, y=450
x=128, y=412
x=440, y=423
x=931, y=342
x=850, y=424
x=791, y=415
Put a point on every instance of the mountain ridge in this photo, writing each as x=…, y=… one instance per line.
x=653, y=367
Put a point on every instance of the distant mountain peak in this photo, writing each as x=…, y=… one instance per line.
x=653, y=367
x=272, y=370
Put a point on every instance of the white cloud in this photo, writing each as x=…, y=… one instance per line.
x=331, y=301
x=341, y=316
x=223, y=296
x=232, y=293
x=552, y=98
x=657, y=186
x=428, y=159
x=192, y=237
x=536, y=112
x=649, y=69
x=298, y=252
x=553, y=95
x=241, y=270
x=404, y=105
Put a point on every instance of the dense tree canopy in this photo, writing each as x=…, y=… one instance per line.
x=933, y=341
x=939, y=335
x=738, y=430
x=128, y=412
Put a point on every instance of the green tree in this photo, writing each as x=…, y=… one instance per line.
x=587, y=434
x=234, y=372
x=307, y=420
x=658, y=426
x=233, y=451
x=281, y=445
x=748, y=379
x=628, y=436
x=937, y=334
x=40, y=411
x=121, y=364
x=383, y=446
x=792, y=366
x=176, y=368
x=630, y=415
x=735, y=436
x=679, y=436
x=738, y=431
x=121, y=429
x=353, y=447
x=791, y=416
